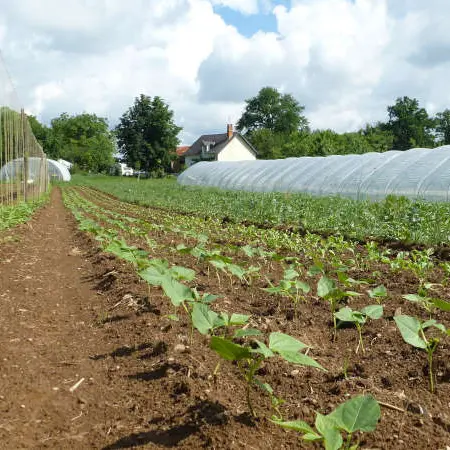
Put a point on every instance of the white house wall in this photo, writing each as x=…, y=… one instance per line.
x=235, y=151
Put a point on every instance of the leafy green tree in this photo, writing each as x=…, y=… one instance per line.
x=84, y=140
x=271, y=110
x=410, y=125
x=378, y=137
x=147, y=134
x=443, y=127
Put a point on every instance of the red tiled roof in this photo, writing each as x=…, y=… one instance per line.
x=182, y=150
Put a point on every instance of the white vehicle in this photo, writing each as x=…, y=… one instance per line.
x=125, y=170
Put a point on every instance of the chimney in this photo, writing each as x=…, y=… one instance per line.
x=229, y=131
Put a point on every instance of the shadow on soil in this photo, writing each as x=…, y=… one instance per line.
x=156, y=374
x=202, y=413
x=122, y=352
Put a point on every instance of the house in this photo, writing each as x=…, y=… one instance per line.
x=229, y=146
x=178, y=161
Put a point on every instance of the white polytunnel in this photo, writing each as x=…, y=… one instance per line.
x=419, y=173
x=14, y=169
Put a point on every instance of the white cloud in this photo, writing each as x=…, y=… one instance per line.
x=344, y=60
x=243, y=6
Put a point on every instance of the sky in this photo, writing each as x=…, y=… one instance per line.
x=344, y=60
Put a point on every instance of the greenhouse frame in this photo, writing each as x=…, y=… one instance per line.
x=15, y=168
x=419, y=173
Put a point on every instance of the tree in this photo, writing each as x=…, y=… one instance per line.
x=379, y=138
x=147, y=135
x=443, y=127
x=410, y=124
x=279, y=113
x=84, y=140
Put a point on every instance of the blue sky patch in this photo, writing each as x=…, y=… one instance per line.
x=248, y=25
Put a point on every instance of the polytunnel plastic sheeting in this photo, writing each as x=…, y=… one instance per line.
x=416, y=173
x=14, y=169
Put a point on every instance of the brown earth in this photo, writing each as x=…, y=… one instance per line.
x=72, y=313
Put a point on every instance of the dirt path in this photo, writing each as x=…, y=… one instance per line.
x=46, y=337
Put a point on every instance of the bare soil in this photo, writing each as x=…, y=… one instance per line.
x=89, y=359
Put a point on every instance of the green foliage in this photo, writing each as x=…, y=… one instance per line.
x=443, y=127
x=291, y=287
x=410, y=125
x=378, y=293
x=359, y=318
x=273, y=111
x=360, y=413
x=329, y=291
x=249, y=358
x=10, y=216
x=395, y=218
x=146, y=134
x=83, y=139
x=413, y=329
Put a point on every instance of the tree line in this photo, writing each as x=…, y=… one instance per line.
x=145, y=138
x=146, y=135
x=276, y=125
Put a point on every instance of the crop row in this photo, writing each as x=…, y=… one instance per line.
x=234, y=336
x=391, y=219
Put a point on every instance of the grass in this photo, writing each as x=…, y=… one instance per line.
x=395, y=218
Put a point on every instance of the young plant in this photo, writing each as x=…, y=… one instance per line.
x=249, y=359
x=327, y=289
x=413, y=329
x=429, y=304
x=359, y=318
x=360, y=413
x=290, y=287
x=378, y=293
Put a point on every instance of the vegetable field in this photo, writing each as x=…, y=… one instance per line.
x=253, y=335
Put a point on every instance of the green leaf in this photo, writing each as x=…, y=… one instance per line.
x=173, y=317
x=273, y=290
x=414, y=298
x=301, y=359
x=266, y=387
x=238, y=319
x=441, y=304
x=379, y=291
x=263, y=350
x=325, y=286
x=176, y=291
x=302, y=286
x=245, y=332
x=280, y=342
x=345, y=314
x=209, y=298
x=249, y=251
x=236, y=270
x=315, y=270
x=357, y=414
x=409, y=328
x=326, y=426
x=203, y=318
x=297, y=425
x=229, y=350
x=290, y=274
x=153, y=275
x=373, y=311
x=182, y=273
